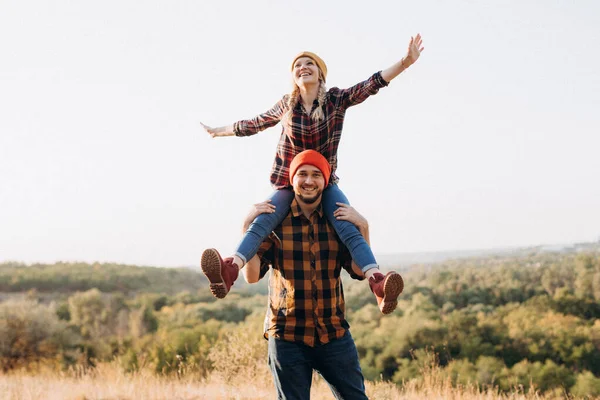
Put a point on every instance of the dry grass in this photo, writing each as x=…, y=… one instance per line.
x=239, y=372
x=109, y=381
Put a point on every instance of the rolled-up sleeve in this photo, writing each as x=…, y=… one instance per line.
x=266, y=253
x=261, y=122
x=360, y=92
x=346, y=261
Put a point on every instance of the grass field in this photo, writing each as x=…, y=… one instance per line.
x=108, y=381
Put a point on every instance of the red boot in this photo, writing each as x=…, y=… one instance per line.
x=220, y=273
x=386, y=289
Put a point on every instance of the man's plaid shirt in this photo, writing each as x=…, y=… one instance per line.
x=306, y=134
x=306, y=298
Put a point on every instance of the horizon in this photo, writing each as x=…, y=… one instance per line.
x=447, y=254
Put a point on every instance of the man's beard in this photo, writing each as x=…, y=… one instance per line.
x=312, y=199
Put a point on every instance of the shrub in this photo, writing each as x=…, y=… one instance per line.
x=31, y=333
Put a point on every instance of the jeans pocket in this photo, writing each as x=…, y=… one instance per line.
x=283, y=353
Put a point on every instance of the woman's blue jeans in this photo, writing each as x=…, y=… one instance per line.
x=349, y=234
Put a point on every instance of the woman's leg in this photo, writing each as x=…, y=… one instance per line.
x=385, y=288
x=222, y=273
x=347, y=231
x=264, y=224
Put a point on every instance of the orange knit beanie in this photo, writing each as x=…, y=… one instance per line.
x=310, y=157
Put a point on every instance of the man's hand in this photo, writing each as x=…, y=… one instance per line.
x=264, y=207
x=414, y=51
x=252, y=268
x=346, y=212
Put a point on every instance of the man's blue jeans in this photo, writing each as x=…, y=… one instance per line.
x=349, y=234
x=292, y=365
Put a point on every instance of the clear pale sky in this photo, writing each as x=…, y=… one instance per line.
x=492, y=139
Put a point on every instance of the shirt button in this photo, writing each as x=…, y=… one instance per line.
x=312, y=263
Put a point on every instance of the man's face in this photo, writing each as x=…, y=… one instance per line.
x=308, y=183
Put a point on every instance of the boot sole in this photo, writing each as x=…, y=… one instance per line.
x=392, y=287
x=211, y=267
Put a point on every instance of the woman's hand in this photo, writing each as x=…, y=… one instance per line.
x=415, y=47
x=346, y=212
x=414, y=51
x=211, y=131
x=264, y=207
x=218, y=132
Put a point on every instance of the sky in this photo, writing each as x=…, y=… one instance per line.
x=490, y=140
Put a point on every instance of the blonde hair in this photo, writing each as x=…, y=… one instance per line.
x=294, y=98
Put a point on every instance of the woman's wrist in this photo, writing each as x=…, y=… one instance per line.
x=405, y=63
x=224, y=131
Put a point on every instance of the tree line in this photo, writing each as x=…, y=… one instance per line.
x=507, y=321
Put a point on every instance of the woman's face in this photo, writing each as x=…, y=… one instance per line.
x=305, y=72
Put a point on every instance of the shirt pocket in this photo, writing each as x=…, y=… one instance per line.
x=282, y=296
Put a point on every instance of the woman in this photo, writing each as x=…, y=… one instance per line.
x=312, y=118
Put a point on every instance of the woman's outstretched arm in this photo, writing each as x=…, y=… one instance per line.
x=252, y=126
x=362, y=90
x=415, y=47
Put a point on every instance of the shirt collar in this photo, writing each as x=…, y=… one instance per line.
x=297, y=211
x=300, y=107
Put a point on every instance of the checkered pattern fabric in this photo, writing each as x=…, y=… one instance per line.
x=306, y=298
x=305, y=134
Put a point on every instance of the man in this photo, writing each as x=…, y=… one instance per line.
x=306, y=325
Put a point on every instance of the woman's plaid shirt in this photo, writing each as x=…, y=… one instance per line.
x=305, y=134
x=306, y=298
